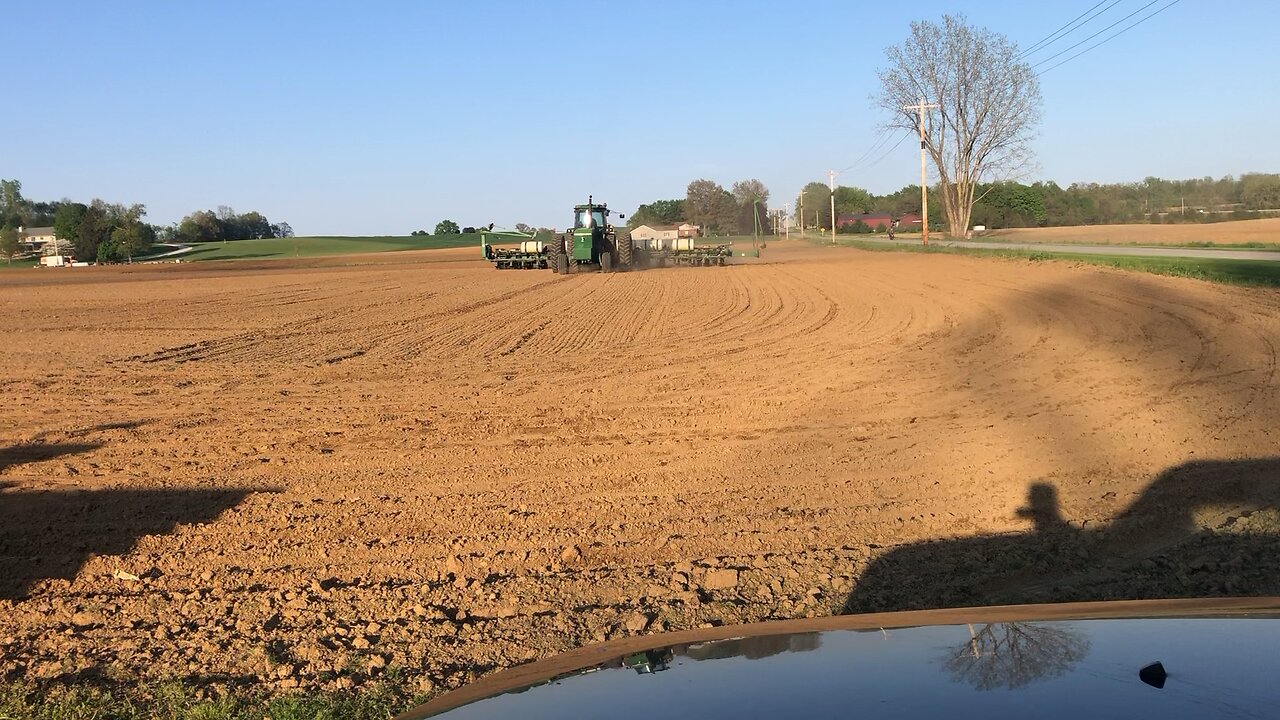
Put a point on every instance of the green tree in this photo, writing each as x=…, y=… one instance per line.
x=447, y=227
x=658, y=212
x=132, y=238
x=12, y=205
x=989, y=106
x=752, y=200
x=66, y=221
x=711, y=207
x=815, y=198
x=95, y=229
x=10, y=242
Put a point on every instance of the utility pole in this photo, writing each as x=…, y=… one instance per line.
x=802, y=212
x=786, y=221
x=920, y=111
x=831, y=177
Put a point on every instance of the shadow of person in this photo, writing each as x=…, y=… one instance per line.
x=1204, y=528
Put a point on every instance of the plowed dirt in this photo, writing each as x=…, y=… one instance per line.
x=295, y=477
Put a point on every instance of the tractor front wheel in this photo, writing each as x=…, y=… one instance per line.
x=606, y=262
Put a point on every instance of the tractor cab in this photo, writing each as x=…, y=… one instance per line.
x=590, y=216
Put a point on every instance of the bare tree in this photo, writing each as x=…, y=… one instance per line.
x=1013, y=655
x=990, y=106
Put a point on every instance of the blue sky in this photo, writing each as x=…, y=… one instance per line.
x=385, y=117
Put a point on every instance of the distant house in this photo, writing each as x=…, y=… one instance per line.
x=36, y=237
x=871, y=220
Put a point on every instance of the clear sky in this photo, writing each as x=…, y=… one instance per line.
x=385, y=117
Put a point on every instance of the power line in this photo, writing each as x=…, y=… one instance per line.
x=1111, y=37
x=1073, y=47
x=884, y=137
x=1067, y=29
x=889, y=152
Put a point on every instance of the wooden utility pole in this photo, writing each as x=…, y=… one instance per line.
x=920, y=110
x=786, y=219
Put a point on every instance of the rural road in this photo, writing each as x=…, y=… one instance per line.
x=1139, y=251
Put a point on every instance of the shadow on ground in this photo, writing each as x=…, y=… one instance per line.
x=51, y=533
x=1200, y=529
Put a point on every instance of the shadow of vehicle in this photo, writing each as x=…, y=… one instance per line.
x=47, y=534
x=1200, y=529
x=51, y=533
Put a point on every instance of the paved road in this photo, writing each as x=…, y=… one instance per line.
x=1142, y=251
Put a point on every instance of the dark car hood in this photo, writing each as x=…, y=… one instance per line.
x=1075, y=660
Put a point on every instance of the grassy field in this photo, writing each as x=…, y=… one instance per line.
x=316, y=246
x=1236, y=272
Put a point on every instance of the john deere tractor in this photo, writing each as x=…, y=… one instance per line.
x=593, y=243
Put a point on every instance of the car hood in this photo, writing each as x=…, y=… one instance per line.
x=1167, y=659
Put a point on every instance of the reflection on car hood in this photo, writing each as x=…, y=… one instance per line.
x=1216, y=658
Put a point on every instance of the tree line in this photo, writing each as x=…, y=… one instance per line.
x=710, y=206
x=1047, y=204
x=109, y=232
x=225, y=224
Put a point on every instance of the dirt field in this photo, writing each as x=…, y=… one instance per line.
x=1223, y=233
x=292, y=478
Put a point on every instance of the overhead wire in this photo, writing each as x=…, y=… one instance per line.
x=884, y=137
x=1067, y=29
x=1109, y=38
x=1060, y=53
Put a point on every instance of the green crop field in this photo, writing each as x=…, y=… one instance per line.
x=315, y=246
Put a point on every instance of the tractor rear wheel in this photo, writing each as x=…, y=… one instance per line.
x=606, y=262
x=625, y=249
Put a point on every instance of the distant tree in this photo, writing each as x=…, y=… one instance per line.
x=468, y=230
x=12, y=204
x=447, y=227
x=1260, y=192
x=200, y=226
x=522, y=227
x=815, y=198
x=752, y=200
x=10, y=242
x=710, y=206
x=95, y=230
x=282, y=230
x=252, y=225
x=131, y=238
x=658, y=212
x=990, y=105
x=66, y=221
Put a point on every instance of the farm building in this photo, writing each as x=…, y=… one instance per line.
x=875, y=220
x=664, y=232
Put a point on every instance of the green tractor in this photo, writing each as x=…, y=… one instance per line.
x=593, y=243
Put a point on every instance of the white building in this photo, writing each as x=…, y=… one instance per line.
x=37, y=237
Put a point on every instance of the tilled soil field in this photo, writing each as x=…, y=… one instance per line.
x=299, y=478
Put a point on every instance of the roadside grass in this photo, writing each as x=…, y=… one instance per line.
x=175, y=701
x=323, y=245
x=1260, y=273
x=1252, y=245
x=20, y=264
